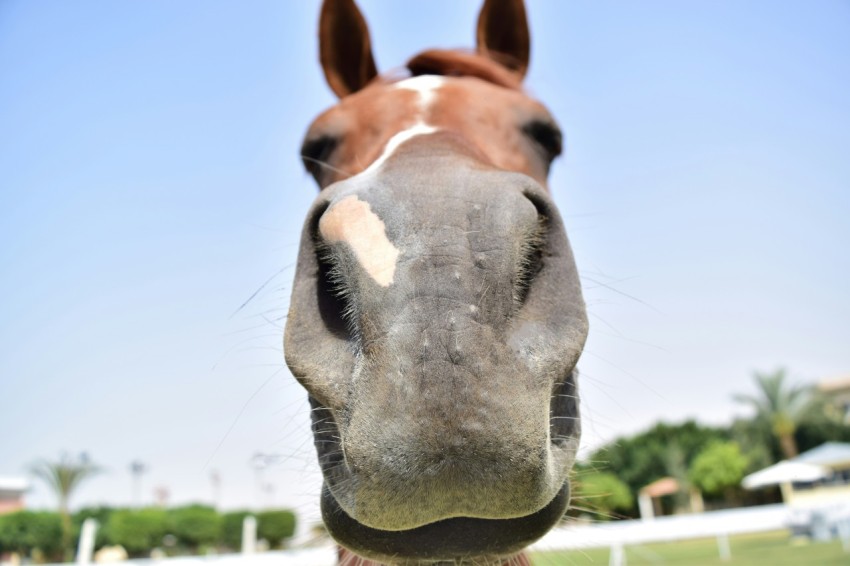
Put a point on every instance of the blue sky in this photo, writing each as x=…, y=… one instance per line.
x=150, y=184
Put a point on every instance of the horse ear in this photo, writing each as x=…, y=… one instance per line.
x=503, y=34
x=345, y=49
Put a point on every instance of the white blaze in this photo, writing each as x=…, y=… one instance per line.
x=398, y=139
x=352, y=221
x=426, y=86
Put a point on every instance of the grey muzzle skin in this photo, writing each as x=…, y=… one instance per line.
x=448, y=392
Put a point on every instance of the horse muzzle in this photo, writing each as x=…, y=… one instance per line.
x=437, y=335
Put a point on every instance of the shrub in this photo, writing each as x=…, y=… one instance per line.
x=99, y=514
x=138, y=531
x=231, y=529
x=603, y=493
x=28, y=531
x=276, y=526
x=719, y=467
x=195, y=525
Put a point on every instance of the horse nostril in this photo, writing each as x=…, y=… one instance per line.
x=531, y=257
x=332, y=290
x=333, y=298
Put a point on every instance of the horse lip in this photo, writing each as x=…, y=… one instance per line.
x=343, y=476
x=564, y=431
x=481, y=541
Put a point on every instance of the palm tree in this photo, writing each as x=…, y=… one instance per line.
x=63, y=478
x=780, y=406
x=677, y=468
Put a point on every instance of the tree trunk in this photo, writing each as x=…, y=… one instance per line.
x=788, y=445
x=67, y=550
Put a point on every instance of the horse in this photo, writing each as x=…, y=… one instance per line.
x=436, y=317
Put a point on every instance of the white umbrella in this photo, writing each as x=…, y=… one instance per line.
x=831, y=454
x=785, y=472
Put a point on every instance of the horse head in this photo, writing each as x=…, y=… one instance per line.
x=436, y=316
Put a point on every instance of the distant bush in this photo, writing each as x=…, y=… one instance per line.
x=719, y=467
x=99, y=514
x=645, y=457
x=602, y=494
x=27, y=531
x=195, y=525
x=276, y=526
x=138, y=530
x=231, y=529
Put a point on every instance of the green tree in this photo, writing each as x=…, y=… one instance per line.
x=780, y=406
x=99, y=514
x=718, y=468
x=757, y=443
x=646, y=457
x=138, y=530
x=231, y=529
x=276, y=526
x=195, y=525
x=602, y=493
x=676, y=466
x=63, y=478
x=26, y=532
x=813, y=432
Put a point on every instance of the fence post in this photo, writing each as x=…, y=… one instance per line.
x=618, y=555
x=844, y=533
x=645, y=506
x=85, y=547
x=249, y=535
x=723, y=547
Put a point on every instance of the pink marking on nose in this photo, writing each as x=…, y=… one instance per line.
x=352, y=221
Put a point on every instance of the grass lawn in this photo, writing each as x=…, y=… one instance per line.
x=762, y=549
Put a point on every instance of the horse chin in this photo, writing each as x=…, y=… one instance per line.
x=458, y=540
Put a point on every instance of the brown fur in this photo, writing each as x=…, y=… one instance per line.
x=455, y=63
x=471, y=104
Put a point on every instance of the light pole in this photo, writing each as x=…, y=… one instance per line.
x=215, y=481
x=260, y=462
x=137, y=469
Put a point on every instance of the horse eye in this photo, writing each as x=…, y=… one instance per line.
x=547, y=136
x=315, y=153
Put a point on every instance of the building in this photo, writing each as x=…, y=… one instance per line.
x=12, y=494
x=834, y=456
x=814, y=478
x=837, y=394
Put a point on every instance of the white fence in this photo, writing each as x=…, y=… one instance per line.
x=322, y=556
x=675, y=527
x=615, y=535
